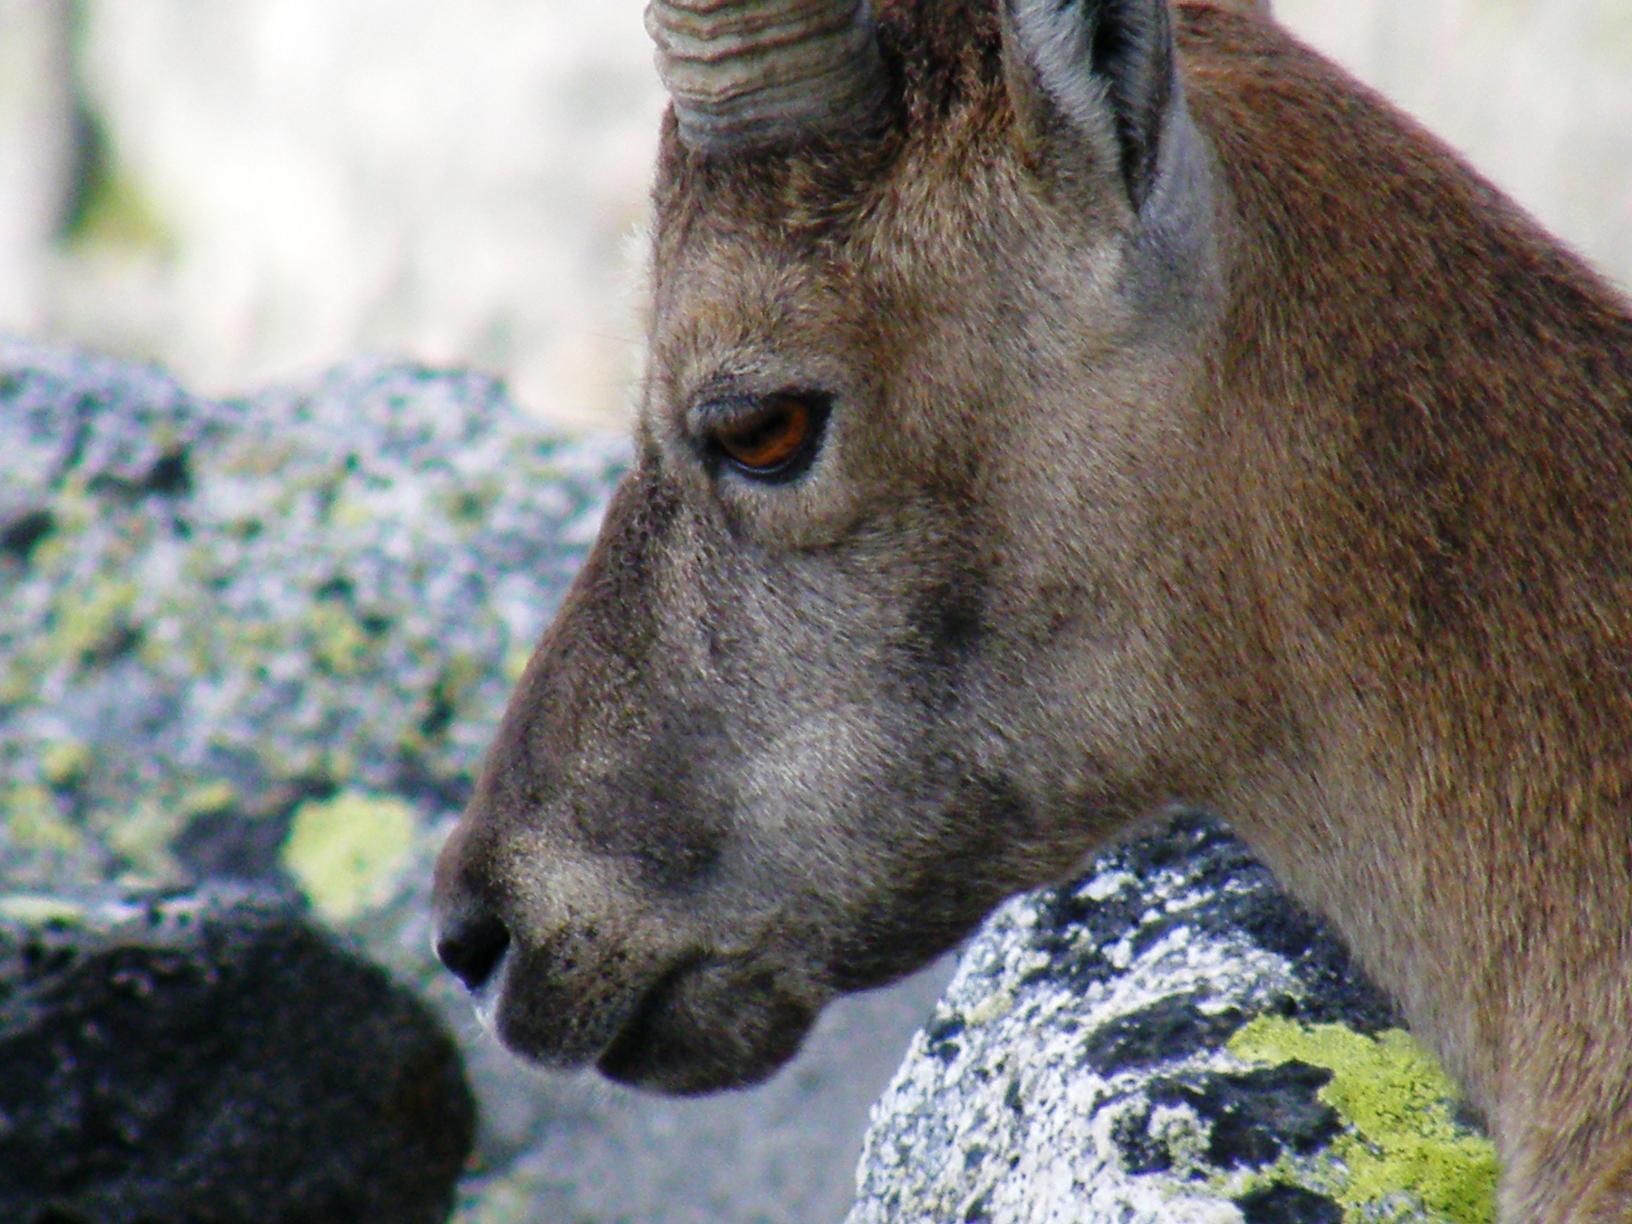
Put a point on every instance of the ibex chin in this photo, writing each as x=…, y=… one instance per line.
x=1058, y=411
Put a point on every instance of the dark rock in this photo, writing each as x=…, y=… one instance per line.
x=1256, y=1115
x=215, y=1058
x=1288, y=1205
x=1158, y=1034
x=20, y=534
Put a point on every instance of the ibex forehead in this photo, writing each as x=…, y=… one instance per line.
x=930, y=264
x=740, y=318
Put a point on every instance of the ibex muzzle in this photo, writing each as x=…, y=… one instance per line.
x=1050, y=421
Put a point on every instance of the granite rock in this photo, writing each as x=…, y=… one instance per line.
x=1168, y=1039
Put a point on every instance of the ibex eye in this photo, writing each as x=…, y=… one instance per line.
x=770, y=438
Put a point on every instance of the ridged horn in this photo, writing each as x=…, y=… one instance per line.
x=745, y=73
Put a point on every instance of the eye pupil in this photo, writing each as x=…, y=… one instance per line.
x=770, y=439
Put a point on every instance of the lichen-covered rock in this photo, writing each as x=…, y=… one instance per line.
x=267, y=640
x=215, y=1057
x=213, y=614
x=1170, y=1039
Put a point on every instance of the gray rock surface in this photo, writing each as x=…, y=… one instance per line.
x=215, y=1057
x=1169, y=1039
x=266, y=640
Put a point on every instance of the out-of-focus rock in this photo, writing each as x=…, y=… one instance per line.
x=223, y=624
x=215, y=1057
x=1169, y=1040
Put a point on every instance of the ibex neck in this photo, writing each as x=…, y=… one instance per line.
x=1420, y=414
x=1490, y=901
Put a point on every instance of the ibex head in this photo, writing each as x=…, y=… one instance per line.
x=878, y=628
x=1048, y=419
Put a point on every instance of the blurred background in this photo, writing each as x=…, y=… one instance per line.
x=248, y=192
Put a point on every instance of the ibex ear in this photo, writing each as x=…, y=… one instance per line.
x=1093, y=83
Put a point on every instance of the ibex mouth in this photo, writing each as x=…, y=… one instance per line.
x=630, y=1050
x=703, y=1023
x=708, y=1024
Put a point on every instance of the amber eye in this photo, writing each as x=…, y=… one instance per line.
x=771, y=437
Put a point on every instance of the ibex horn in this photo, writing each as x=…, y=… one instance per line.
x=746, y=73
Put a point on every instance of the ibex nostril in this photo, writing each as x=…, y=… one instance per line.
x=471, y=947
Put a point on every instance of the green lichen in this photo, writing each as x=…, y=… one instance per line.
x=347, y=853
x=142, y=837
x=340, y=645
x=1403, y=1135
x=65, y=764
x=90, y=624
x=209, y=799
x=35, y=910
x=34, y=822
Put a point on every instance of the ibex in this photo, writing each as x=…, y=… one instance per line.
x=1058, y=411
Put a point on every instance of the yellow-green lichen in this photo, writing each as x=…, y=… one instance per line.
x=515, y=663
x=65, y=764
x=337, y=762
x=209, y=799
x=349, y=513
x=114, y=213
x=34, y=910
x=998, y=1003
x=467, y=506
x=1184, y=1137
x=50, y=553
x=347, y=853
x=17, y=685
x=143, y=835
x=90, y=623
x=34, y=822
x=499, y=1202
x=340, y=645
x=1403, y=1135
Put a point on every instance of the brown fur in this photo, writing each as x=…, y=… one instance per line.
x=1303, y=494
